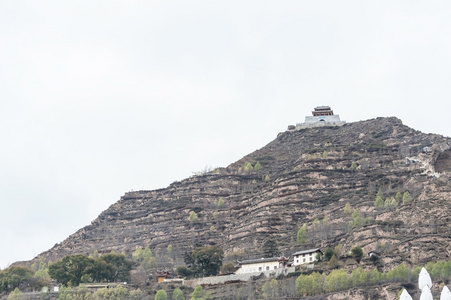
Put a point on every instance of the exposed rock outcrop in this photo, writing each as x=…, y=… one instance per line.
x=306, y=175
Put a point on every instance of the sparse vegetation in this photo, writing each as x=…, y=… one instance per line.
x=257, y=167
x=192, y=216
x=323, y=197
x=347, y=209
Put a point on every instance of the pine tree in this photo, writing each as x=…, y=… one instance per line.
x=406, y=198
x=257, y=166
x=379, y=203
x=192, y=216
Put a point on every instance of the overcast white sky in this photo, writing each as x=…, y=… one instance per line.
x=98, y=98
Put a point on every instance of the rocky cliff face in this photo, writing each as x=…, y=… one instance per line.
x=306, y=175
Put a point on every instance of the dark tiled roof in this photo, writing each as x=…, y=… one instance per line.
x=307, y=251
x=253, y=261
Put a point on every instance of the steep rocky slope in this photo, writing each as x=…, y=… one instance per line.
x=306, y=175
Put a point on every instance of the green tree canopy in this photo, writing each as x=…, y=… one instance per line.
x=328, y=253
x=357, y=253
x=270, y=289
x=15, y=295
x=257, y=166
x=13, y=277
x=197, y=293
x=71, y=268
x=184, y=271
x=178, y=294
x=302, y=234
x=379, y=203
x=192, y=216
x=248, y=167
x=120, y=266
x=77, y=268
x=161, y=295
x=205, y=261
x=406, y=198
x=144, y=257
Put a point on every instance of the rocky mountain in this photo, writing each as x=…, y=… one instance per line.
x=307, y=176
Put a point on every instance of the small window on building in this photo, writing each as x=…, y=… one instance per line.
x=310, y=254
x=297, y=260
x=311, y=258
x=267, y=268
x=303, y=255
x=259, y=268
x=303, y=260
x=275, y=267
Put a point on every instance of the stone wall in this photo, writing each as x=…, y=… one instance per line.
x=236, y=277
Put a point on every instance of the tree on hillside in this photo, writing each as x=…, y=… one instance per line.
x=100, y=271
x=302, y=235
x=333, y=262
x=197, y=293
x=13, y=277
x=144, y=257
x=270, y=249
x=357, y=253
x=15, y=295
x=270, y=289
x=347, y=209
x=70, y=269
x=328, y=253
x=220, y=202
x=178, y=294
x=228, y=268
x=75, y=269
x=205, y=261
x=406, y=198
x=120, y=266
x=257, y=166
x=161, y=295
x=192, y=216
x=379, y=203
x=248, y=167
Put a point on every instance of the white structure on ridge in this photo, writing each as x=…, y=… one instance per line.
x=321, y=116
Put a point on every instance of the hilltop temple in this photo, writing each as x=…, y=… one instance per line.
x=321, y=116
